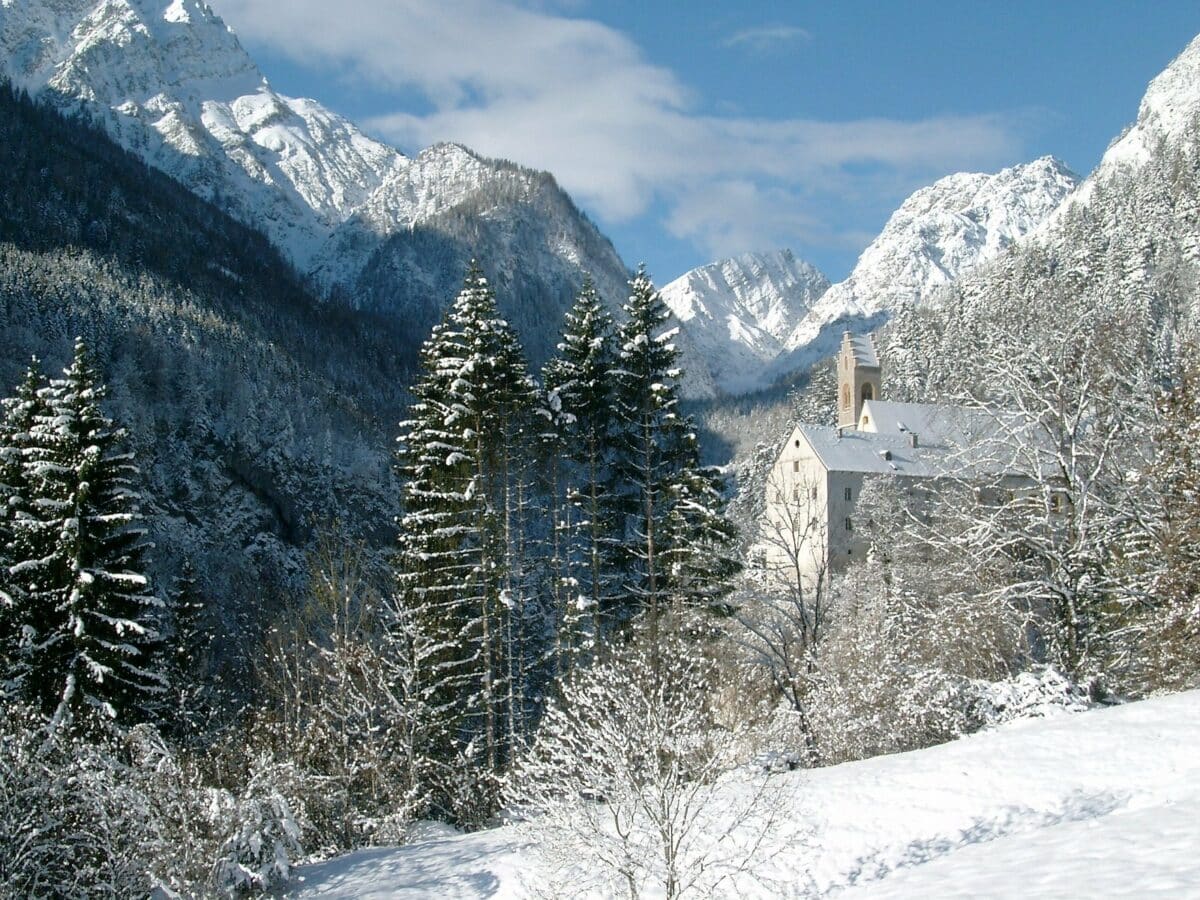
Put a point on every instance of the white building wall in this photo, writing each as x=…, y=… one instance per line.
x=795, y=533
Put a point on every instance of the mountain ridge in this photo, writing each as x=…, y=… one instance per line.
x=936, y=235
x=172, y=83
x=738, y=311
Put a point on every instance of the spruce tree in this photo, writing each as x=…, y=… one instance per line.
x=579, y=384
x=94, y=654
x=19, y=414
x=677, y=543
x=651, y=451
x=701, y=540
x=462, y=575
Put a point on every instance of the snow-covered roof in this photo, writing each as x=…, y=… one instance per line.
x=935, y=424
x=950, y=441
x=858, y=451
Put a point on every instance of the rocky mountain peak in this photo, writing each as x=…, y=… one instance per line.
x=737, y=312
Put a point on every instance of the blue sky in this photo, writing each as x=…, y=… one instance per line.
x=690, y=131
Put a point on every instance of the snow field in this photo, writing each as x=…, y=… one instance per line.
x=1098, y=804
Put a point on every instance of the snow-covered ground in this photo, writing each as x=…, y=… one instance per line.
x=1098, y=804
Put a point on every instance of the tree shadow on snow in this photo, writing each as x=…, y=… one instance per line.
x=1010, y=820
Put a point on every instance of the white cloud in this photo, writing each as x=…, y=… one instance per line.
x=620, y=133
x=762, y=38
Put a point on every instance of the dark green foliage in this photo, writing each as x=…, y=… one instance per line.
x=462, y=573
x=93, y=646
x=579, y=450
x=20, y=413
x=671, y=506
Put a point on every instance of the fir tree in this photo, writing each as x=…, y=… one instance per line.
x=701, y=538
x=94, y=648
x=20, y=412
x=579, y=387
x=462, y=577
x=677, y=542
x=651, y=450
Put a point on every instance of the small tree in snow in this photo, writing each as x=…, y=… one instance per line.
x=622, y=790
x=342, y=706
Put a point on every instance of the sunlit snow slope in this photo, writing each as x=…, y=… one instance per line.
x=738, y=312
x=1103, y=803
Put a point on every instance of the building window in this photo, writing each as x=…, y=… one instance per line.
x=868, y=392
x=814, y=492
x=849, y=524
x=849, y=495
x=845, y=396
x=795, y=465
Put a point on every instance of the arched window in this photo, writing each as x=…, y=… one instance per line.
x=868, y=392
x=846, y=396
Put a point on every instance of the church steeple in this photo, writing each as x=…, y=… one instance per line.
x=859, y=377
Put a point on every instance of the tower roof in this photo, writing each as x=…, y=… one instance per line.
x=861, y=348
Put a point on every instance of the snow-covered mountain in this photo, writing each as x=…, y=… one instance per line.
x=938, y=234
x=1167, y=118
x=738, y=312
x=758, y=318
x=171, y=82
x=1128, y=238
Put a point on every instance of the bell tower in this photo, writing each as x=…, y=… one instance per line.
x=859, y=377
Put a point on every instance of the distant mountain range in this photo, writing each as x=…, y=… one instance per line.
x=762, y=317
x=363, y=223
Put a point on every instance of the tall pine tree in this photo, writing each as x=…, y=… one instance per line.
x=579, y=384
x=94, y=651
x=462, y=576
x=650, y=451
x=677, y=544
x=20, y=413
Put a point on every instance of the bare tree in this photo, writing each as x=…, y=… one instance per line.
x=784, y=612
x=343, y=701
x=1065, y=498
x=622, y=789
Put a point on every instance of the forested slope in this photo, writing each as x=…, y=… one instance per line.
x=259, y=415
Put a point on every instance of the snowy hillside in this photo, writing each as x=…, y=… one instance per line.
x=936, y=235
x=737, y=312
x=1102, y=803
x=171, y=82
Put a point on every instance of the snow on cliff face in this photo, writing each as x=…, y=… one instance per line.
x=171, y=82
x=937, y=234
x=1168, y=113
x=737, y=313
